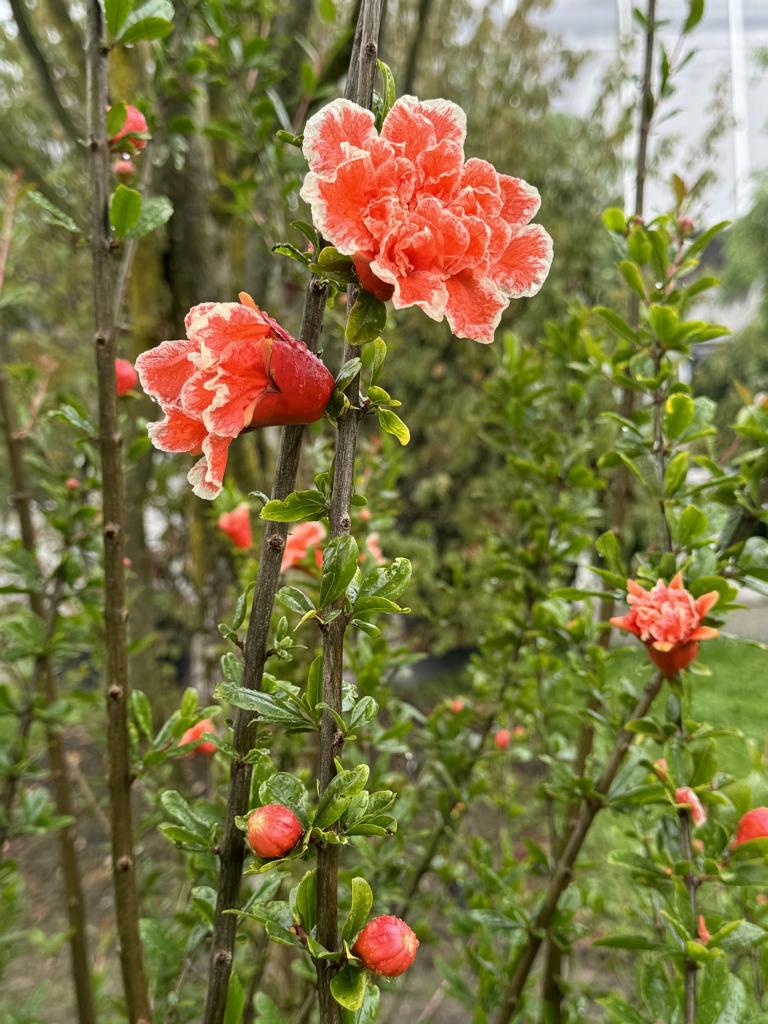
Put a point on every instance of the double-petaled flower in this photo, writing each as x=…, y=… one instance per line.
x=236, y=370
x=668, y=619
x=424, y=226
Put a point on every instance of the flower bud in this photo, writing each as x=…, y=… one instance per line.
x=685, y=226
x=72, y=483
x=752, y=825
x=123, y=168
x=501, y=739
x=456, y=706
x=386, y=946
x=686, y=797
x=126, y=377
x=704, y=935
x=273, y=831
x=195, y=732
x=661, y=768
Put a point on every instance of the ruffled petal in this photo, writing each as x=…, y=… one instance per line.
x=214, y=326
x=624, y=622
x=474, y=307
x=521, y=201
x=207, y=474
x=333, y=132
x=415, y=125
x=177, y=432
x=523, y=266
x=164, y=370
x=338, y=206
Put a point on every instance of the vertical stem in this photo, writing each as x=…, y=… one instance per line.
x=232, y=847
x=45, y=683
x=120, y=776
x=359, y=89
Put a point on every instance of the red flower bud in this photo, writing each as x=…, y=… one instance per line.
x=686, y=797
x=273, y=831
x=661, y=768
x=123, y=168
x=704, y=935
x=196, y=731
x=685, y=225
x=386, y=946
x=237, y=526
x=502, y=738
x=126, y=377
x=752, y=825
x=456, y=706
x=72, y=483
x=135, y=124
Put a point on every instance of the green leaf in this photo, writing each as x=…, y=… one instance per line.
x=284, y=788
x=299, y=505
x=118, y=112
x=124, y=209
x=348, y=987
x=153, y=20
x=692, y=524
x=695, y=14
x=348, y=372
x=366, y=319
x=235, y=1000
x=338, y=793
x=374, y=355
x=389, y=581
x=389, y=92
x=633, y=277
x=678, y=414
x=614, y=220
x=360, y=908
x=52, y=214
x=621, y=327
x=391, y=423
x=327, y=10
x=608, y=546
x=176, y=807
x=155, y=211
x=676, y=473
x=117, y=11
x=292, y=252
x=295, y=599
x=340, y=559
x=142, y=712
x=304, y=900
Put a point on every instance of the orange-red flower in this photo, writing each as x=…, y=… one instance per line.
x=237, y=369
x=300, y=540
x=237, y=525
x=686, y=797
x=668, y=619
x=193, y=734
x=422, y=224
x=135, y=124
x=126, y=377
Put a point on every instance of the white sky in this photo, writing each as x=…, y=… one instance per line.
x=593, y=26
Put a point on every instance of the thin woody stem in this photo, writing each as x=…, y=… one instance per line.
x=362, y=73
x=120, y=774
x=45, y=685
x=563, y=874
x=232, y=846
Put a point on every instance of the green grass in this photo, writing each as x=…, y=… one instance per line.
x=736, y=694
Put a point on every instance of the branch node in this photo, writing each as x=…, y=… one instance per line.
x=124, y=863
x=111, y=530
x=115, y=692
x=276, y=542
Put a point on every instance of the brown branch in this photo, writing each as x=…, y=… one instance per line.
x=232, y=847
x=564, y=871
x=11, y=194
x=36, y=55
x=359, y=89
x=45, y=683
x=120, y=775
